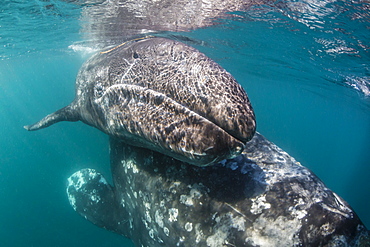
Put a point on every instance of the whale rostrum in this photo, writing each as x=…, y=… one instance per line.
x=163, y=95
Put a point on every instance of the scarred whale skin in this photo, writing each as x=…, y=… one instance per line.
x=163, y=95
x=260, y=198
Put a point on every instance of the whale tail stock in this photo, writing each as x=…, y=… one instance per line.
x=67, y=113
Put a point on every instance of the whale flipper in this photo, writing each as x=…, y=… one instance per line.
x=93, y=198
x=67, y=113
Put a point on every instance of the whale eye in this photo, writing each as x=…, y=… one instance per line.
x=135, y=55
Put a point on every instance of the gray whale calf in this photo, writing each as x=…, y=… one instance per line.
x=263, y=197
x=163, y=95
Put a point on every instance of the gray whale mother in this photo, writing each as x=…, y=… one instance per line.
x=163, y=95
x=262, y=198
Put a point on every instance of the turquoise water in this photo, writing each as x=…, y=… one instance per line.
x=305, y=68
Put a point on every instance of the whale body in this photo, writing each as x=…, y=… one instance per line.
x=263, y=197
x=163, y=95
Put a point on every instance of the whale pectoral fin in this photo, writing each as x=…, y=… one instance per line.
x=67, y=113
x=92, y=197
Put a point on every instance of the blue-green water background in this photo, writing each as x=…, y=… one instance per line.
x=306, y=73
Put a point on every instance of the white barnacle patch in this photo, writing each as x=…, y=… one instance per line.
x=223, y=227
x=259, y=204
x=218, y=238
x=327, y=229
x=94, y=197
x=173, y=213
x=123, y=162
x=296, y=211
x=237, y=222
x=145, y=223
x=166, y=231
x=174, y=187
x=274, y=232
x=147, y=205
x=188, y=226
x=135, y=169
x=181, y=240
x=199, y=236
x=194, y=194
x=129, y=164
x=72, y=200
x=77, y=180
x=187, y=200
x=147, y=217
x=151, y=233
x=159, y=218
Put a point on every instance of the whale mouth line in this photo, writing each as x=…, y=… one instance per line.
x=160, y=98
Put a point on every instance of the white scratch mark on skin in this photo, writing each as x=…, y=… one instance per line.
x=334, y=210
x=128, y=70
x=342, y=205
x=236, y=210
x=229, y=244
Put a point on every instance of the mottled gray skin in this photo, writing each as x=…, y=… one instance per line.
x=260, y=198
x=162, y=95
